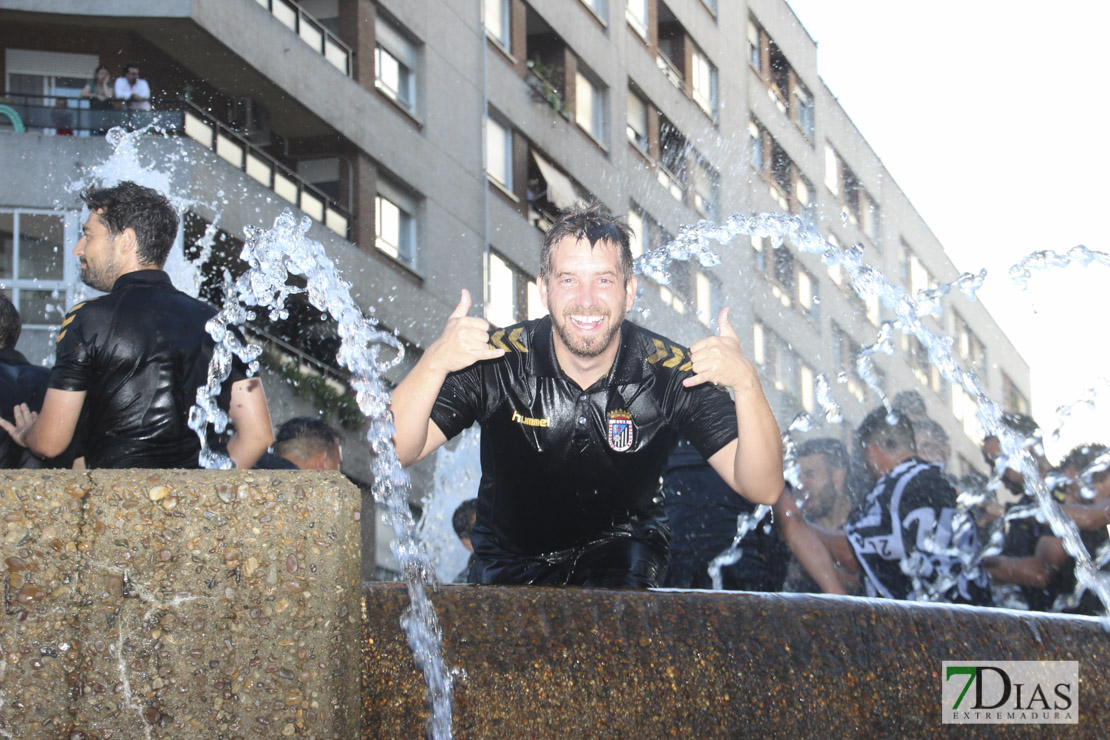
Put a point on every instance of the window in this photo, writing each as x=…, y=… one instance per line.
x=636, y=13
x=970, y=347
x=706, y=184
x=599, y=7
x=704, y=80
x=784, y=267
x=755, y=48
x=589, y=106
x=637, y=125
x=498, y=24
x=862, y=209
x=395, y=66
x=808, y=295
x=777, y=360
x=37, y=273
x=47, y=77
x=499, y=153
x=846, y=351
x=707, y=297
x=759, y=253
x=836, y=271
x=1012, y=398
x=807, y=389
x=637, y=224
x=804, y=112
x=510, y=292
x=755, y=134
x=395, y=223
x=672, y=175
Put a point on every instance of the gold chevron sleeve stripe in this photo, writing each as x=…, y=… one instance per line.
x=678, y=357
x=660, y=352
x=61, y=334
x=68, y=319
x=514, y=338
x=496, y=340
x=686, y=366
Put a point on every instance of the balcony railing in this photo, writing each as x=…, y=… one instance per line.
x=230, y=146
x=311, y=31
x=669, y=69
x=72, y=116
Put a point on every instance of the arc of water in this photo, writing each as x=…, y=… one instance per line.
x=868, y=281
x=272, y=257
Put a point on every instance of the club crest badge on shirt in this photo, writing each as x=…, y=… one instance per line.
x=620, y=430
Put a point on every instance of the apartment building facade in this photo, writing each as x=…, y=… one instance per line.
x=431, y=142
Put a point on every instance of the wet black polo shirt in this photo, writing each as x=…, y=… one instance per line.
x=559, y=464
x=139, y=353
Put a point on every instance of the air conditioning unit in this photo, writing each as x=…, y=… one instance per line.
x=251, y=119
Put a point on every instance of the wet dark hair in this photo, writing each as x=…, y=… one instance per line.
x=101, y=67
x=594, y=223
x=129, y=65
x=10, y=325
x=303, y=436
x=1082, y=456
x=833, y=450
x=877, y=430
x=144, y=210
x=933, y=427
x=463, y=518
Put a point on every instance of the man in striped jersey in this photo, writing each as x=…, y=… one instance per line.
x=906, y=535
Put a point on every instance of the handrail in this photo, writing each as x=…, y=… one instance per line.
x=232, y=147
x=312, y=32
x=669, y=69
x=37, y=112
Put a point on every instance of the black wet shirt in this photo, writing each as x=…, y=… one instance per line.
x=139, y=353
x=20, y=382
x=903, y=536
x=560, y=464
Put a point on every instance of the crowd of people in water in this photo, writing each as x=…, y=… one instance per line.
x=611, y=456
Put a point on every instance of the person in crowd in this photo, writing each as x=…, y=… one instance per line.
x=932, y=442
x=704, y=516
x=906, y=536
x=823, y=499
x=131, y=89
x=463, y=522
x=304, y=443
x=100, y=92
x=1047, y=575
x=579, y=412
x=61, y=117
x=20, y=383
x=129, y=363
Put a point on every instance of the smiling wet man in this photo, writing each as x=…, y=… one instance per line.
x=579, y=411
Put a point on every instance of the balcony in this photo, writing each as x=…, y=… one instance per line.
x=263, y=169
x=66, y=116
x=311, y=31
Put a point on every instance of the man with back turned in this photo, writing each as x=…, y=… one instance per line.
x=129, y=363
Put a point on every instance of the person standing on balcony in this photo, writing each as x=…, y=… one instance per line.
x=579, y=411
x=129, y=363
x=131, y=89
x=100, y=92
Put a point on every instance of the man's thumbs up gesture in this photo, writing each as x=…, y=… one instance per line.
x=464, y=341
x=720, y=360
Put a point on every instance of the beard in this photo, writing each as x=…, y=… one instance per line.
x=584, y=346
x=100, y=278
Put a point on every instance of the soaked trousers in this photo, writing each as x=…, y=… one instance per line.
x=632, y=554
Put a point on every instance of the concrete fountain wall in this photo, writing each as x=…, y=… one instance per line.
x=180, y=604
x=581, y=663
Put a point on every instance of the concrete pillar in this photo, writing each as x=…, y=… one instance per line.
x=179, y=604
